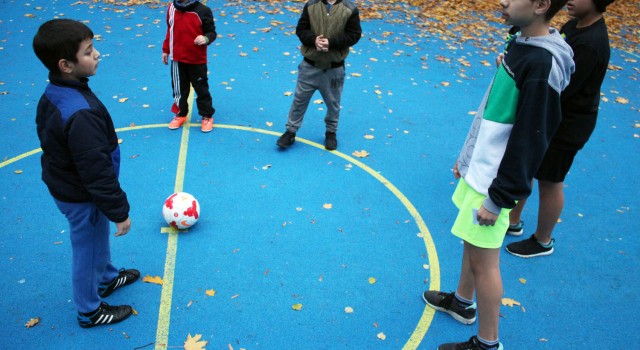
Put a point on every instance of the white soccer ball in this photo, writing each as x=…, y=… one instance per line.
x=181, y=210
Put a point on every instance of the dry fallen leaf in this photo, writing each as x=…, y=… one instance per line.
x=194, y=343
x=369, y=137
x=327, y=205
x=622, y=100
x=122, y=100
x=381, y=336
x=210, y=292
x=509, y=302
x=372, y=280
x=288, y=93
x=348, y=309
x=32, y=322
x=360, y=154
x=149, y=279
x=297, y=307
x=522, y=280
x=17, y=172
x=318, y=102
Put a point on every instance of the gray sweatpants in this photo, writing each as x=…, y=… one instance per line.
x=329, y=82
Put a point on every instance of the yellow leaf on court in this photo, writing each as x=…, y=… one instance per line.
x=194, y=343
x=17, y=172
x=622, y=100
x=369, y=137
x=318, y=102
x=122, y=100
x=348, y=309
x=210, y=292
x=32, y=322
x=445, y=83
x=288, y=93
x=356, y=74
x=243, y=54
x=510, y=302
x=372, y=280
x=522, y=280
x=327, y=205
x=149, y=279
x=269, y=124
x=360, y=154
x=381, y=336
x=297, y=307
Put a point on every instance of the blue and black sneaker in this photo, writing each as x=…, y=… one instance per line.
x=105, y=314
x=446, y=302
x=124, y=277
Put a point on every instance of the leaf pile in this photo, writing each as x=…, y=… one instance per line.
x=457, y=21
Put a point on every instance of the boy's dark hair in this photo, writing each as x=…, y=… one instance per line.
x=556, y=5
x=59, y=39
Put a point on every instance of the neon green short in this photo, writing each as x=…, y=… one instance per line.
x=467, y=199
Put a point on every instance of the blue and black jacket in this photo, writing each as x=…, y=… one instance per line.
x=80, y=158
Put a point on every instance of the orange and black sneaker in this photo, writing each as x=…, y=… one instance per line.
x=207, y=124
x=177, y=122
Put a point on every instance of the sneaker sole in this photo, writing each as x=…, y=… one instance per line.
x=283, y=145
x=515, y=233
x=455, y=316
x=530, y=255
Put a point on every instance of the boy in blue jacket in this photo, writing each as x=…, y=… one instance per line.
x=504, y=147
x=80, y=166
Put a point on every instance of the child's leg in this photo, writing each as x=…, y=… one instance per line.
x=331, y=90
x=466, y=284
x=181, y=87
x=89, y=234
x=200, y=82
x=485, y=267
x=306, y=86
x=550, y=208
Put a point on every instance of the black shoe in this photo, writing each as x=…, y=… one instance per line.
x=124, y=277
x=330, y=141
x=472, y=344
x=446, y=302
x=517, y=229
x=530, y=248
x=105, y=314
x=287, y=139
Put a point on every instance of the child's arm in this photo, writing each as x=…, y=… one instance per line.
x=351, y=35
x=208, y=29
x=93, y=154
x=537, y=117
x=303, y=29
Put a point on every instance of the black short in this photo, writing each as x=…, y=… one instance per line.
x=555, y=165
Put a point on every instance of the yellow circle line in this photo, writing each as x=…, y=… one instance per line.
x=434, y=266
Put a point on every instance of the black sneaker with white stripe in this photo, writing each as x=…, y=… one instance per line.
x=124, y=277
x=105, y=314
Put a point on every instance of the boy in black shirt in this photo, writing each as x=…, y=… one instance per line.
x=587, y=35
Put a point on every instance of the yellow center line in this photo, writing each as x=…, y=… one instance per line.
x=164, y=315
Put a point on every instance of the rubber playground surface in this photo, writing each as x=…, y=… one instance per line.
x=351, y=241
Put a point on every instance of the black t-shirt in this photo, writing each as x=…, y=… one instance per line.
x=580, y=100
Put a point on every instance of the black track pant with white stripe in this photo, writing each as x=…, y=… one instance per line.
x=183, y=75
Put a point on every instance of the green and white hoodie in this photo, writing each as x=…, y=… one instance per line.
x=516, y=119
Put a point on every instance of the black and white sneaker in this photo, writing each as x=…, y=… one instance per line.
x=124, y=277
x=446, y=302
x=105, y=314
x=287, y=139
x=530, y=248
x=516, y=230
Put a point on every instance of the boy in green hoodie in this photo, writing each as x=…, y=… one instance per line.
x=509, y=135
